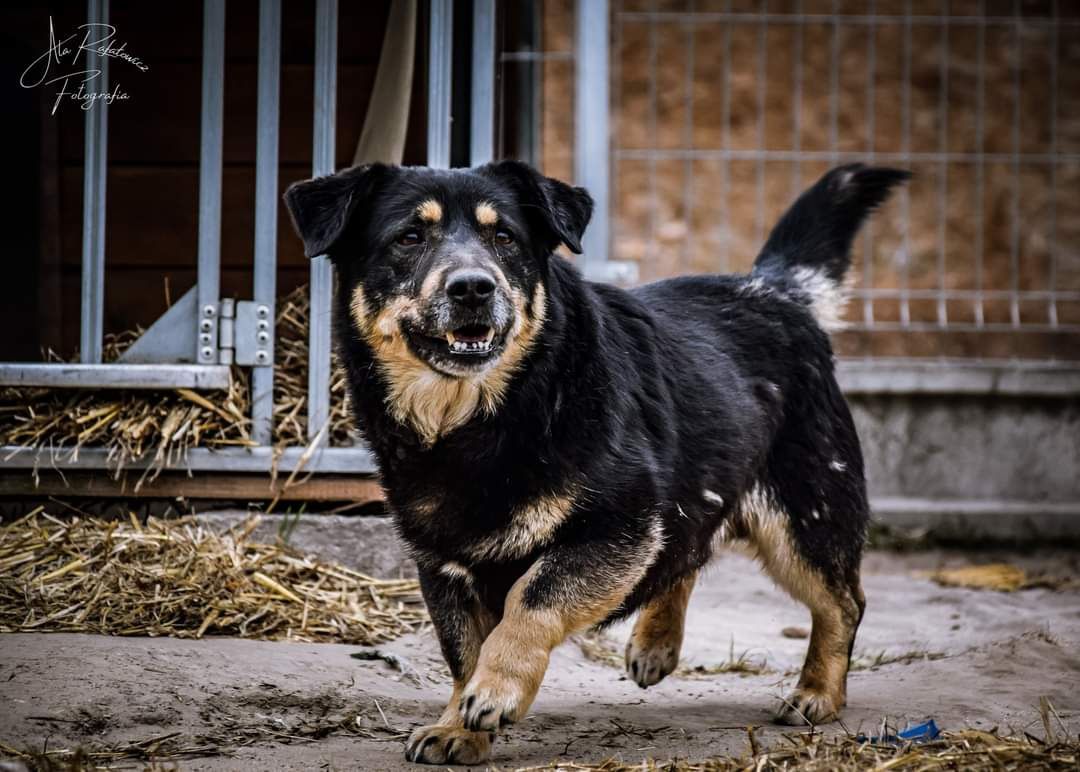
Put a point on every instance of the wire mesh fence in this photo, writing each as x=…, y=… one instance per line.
x=723, y=110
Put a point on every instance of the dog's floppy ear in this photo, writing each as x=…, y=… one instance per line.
x=322, y=207
x=565, y=209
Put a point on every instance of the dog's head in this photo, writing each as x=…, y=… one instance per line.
x=445, y=267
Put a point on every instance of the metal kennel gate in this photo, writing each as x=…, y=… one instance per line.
x=196, y=342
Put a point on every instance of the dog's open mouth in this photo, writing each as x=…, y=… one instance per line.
x=466, y=347
x=471, y=340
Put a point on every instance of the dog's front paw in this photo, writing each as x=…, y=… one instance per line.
x=439, y=744
x=649, y=662
x=809, y=706
x=491, y=701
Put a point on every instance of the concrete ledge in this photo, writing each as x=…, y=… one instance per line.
x=971, y=521
x=912, y=376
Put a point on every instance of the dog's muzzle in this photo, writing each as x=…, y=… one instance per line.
x=465, y=326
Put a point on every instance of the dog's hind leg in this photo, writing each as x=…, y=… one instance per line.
x=836, y=603
x=653, y=649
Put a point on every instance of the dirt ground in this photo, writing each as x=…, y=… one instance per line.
x=967, y=658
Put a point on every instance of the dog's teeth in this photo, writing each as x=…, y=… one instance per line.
x=490, y=335
x=450, y=338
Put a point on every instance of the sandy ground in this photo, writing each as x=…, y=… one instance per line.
x=966, y=658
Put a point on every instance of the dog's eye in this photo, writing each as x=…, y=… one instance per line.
x=409, y=238
x=503, y=237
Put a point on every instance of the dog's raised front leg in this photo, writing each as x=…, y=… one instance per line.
x=570, y=588
x=461, y=623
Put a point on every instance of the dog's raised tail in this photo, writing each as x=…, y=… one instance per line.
x=809, y=250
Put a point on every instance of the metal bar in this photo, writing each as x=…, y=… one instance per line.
x=440, y=82
x=943, y=175
x=796, y=108
x=678, y=154
x=688, y=141
x=266, y=208
x=905, y=193
x=1051, y=309
x=210, y=158
x=357, y=460
x=114, y=376
x=95, y=165
x=592, y=151
x=871, y=117
x=759, y=167
x=322, y=276
x=725, y=166
x=482, y=116
x=852, y=19
x=917, y=326
x=654, y=203
x=1014, y=236
x=980, y=122
x=834, y=83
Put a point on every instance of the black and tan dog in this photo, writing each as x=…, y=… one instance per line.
x=559, y=454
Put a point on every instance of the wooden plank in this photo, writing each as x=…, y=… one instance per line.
x=238, y=487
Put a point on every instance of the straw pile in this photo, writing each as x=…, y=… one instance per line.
x=162, y=425
x=180, y=579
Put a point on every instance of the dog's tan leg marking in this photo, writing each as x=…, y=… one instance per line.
x=835, y=613
x=653, y=649
x=515, y=656
x=447, y=741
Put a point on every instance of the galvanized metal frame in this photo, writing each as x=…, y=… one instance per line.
x=440, y=82
x=91, y=331
x=322, y=272
x=266, y=209
x=482, y=115
x=211, y=143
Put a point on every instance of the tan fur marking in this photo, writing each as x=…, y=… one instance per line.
x=430, y=210
x=486, y=214
x=515, y=656
x=657, y=637
x=432, y=403
x=822, y=688
x=530, y=526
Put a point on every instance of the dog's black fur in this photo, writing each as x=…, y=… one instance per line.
x=660, y=416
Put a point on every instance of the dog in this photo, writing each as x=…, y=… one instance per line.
x=559, y=454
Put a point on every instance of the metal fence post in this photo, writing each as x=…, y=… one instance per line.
x=322, y=277
x=266, y=208
x=440, y=83
x=210, y=159
x=482, y=117
x=92, y=313
x=591, y=108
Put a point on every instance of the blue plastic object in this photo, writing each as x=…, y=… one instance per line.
x=918, y=733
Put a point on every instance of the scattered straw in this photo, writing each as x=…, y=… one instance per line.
x=163, y=425
x=181, y=579
x=972, y=749
x=1001, y=577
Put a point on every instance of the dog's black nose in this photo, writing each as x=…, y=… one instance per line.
x=470, y=287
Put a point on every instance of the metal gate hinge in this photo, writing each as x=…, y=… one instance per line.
x=254, y=335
